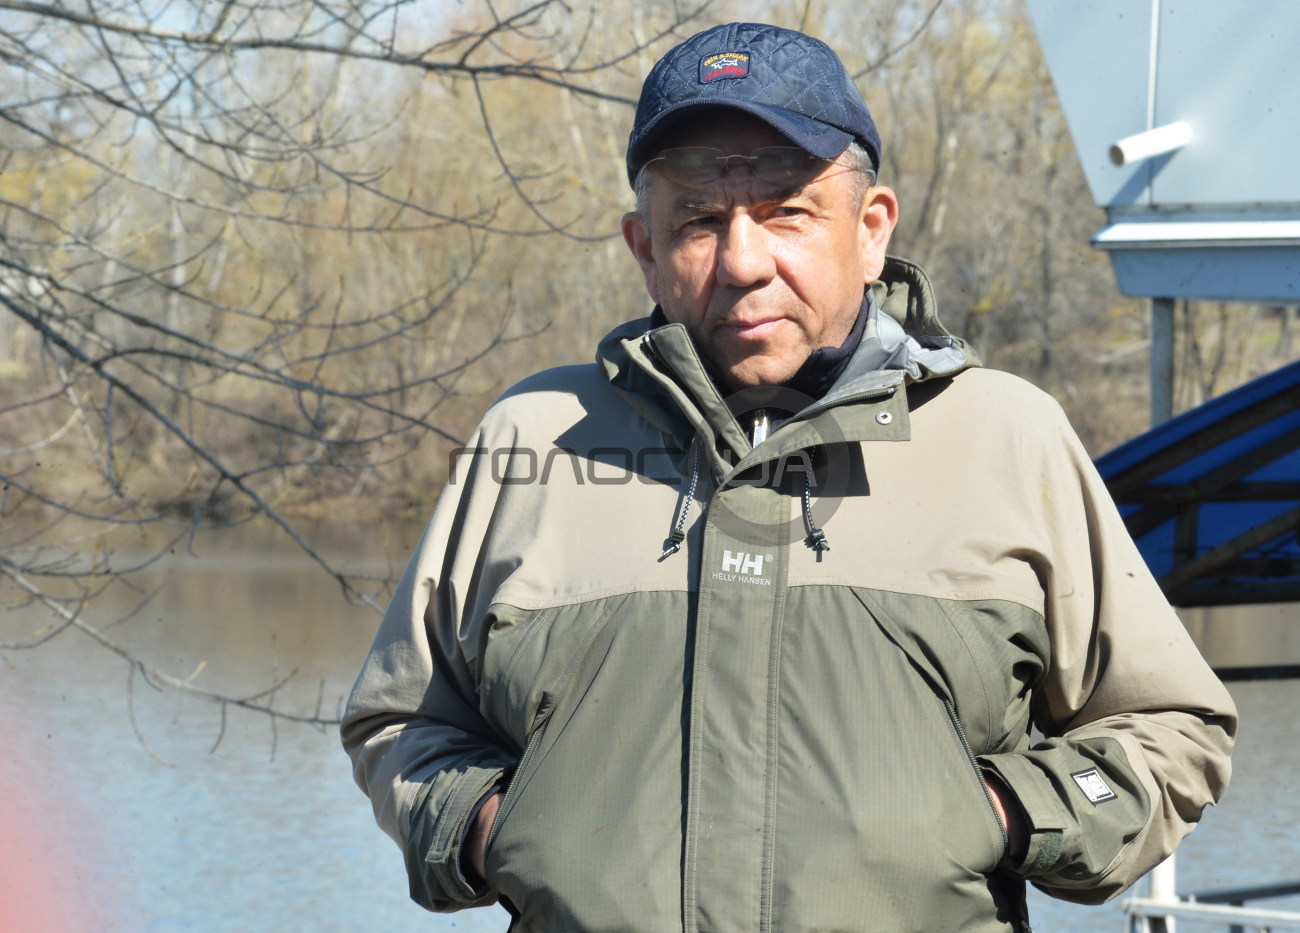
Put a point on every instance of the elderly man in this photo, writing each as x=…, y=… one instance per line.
x=809, y=708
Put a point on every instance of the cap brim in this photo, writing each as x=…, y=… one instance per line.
x=814, y=137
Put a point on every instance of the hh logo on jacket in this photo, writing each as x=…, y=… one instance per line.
x=737, y=566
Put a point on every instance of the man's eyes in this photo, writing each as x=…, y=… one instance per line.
x=715, y=221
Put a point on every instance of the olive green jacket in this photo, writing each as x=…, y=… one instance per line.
x=750, y=734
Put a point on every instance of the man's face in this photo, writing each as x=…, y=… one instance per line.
x=761, y=275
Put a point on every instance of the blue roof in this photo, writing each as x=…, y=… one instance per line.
x=1212, y=497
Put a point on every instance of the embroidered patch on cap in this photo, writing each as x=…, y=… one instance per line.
x=724, y=65
x=1093, y=785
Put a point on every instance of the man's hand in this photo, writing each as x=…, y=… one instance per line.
x=1011, y=815
x=476, y=840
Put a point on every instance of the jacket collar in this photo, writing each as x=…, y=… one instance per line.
x=661, y=374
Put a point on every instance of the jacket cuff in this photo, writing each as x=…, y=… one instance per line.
x=1047, y=818
x=433, y=849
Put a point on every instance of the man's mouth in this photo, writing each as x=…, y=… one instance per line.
x=753, y=330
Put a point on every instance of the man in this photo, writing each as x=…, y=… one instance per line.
x=809, y=708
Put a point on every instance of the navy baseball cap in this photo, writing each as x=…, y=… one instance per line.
x=790, y=81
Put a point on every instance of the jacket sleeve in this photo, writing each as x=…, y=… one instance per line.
x=419, y=745
x=1136, y=728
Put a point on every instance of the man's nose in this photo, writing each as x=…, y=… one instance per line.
x=744, y=256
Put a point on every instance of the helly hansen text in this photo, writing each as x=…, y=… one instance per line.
x=739, y=567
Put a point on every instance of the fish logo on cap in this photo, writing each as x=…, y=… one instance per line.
x=722, y=65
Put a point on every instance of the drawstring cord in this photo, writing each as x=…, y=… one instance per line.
x=816, y=537
x=673, y=543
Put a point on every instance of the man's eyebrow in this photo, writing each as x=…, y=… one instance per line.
x=693, y=206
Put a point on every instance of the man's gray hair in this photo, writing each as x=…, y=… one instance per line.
x=855, y=158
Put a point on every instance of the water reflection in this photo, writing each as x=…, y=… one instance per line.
x=252, y=826
x=157, y=812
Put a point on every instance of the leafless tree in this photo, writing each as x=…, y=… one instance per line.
x=229, y=283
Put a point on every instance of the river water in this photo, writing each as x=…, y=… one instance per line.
x=125, y=807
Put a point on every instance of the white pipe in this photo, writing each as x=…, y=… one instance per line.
x=1162, y=139
x=1164, y=890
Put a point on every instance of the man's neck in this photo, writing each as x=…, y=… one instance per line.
x=825, y=364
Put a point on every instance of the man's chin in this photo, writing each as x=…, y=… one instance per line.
x=751, y=373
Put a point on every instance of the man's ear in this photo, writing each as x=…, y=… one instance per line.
x=879, y=217
x=638, y=241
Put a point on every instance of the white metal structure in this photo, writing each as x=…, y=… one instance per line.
x=1200, y=99
x=1186, y=116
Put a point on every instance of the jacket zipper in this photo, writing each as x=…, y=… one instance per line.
x=521, y=769
x=652, y=351
x=960, y=731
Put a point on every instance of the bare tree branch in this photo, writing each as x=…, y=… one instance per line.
x=259, y=702
x=252, y=257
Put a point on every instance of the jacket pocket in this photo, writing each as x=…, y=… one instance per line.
x=519, y=774
x=583, y=627
x=960, y=733
x=883, y=811
x=588, y=834
x=941, y=667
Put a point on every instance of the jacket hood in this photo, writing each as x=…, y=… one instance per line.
x=660, y=372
